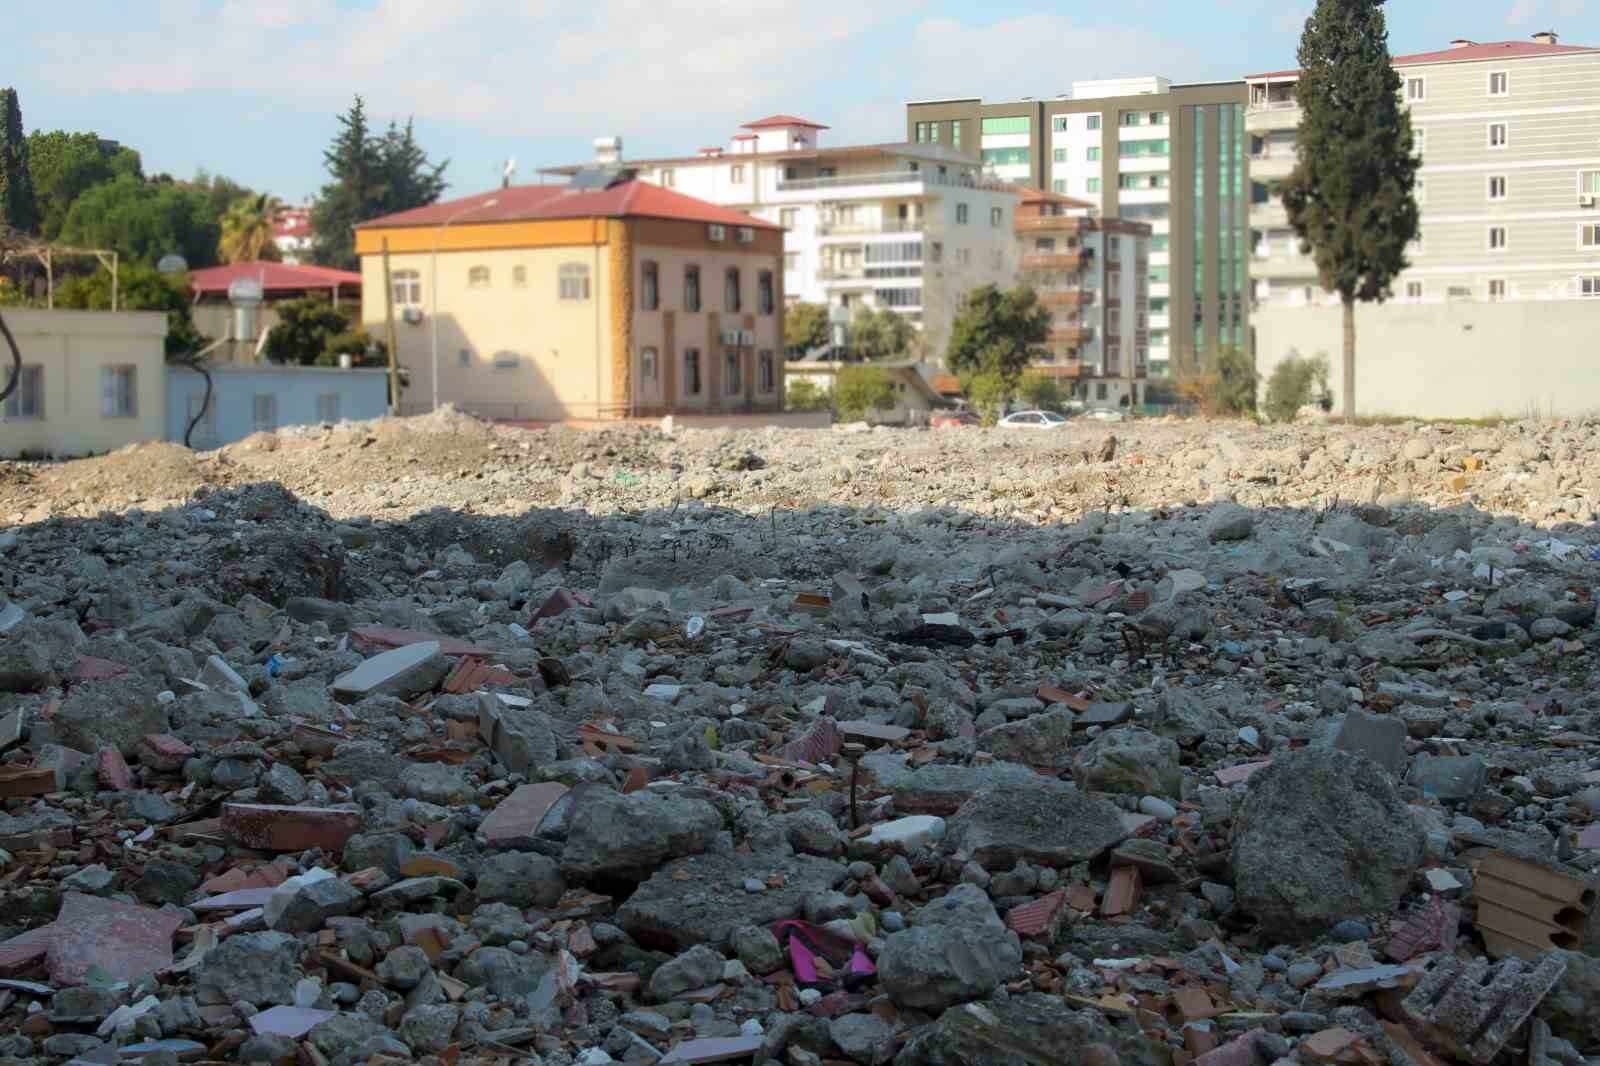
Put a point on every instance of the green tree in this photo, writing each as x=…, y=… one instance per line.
x=140, y=287
x=987, y=392
x=880, y=333
x=859, y=389
x=805, y=326
x=998, y=332
x=804, y=394
x=144, y=220
x=247, y=230
x=1350, y=195
x=371, y=176
x=1294, y=383
x=1223, y=385
x=310, y=332
x=18, y=208
x=221, y=192
x=1040, y=393
x=66, y=165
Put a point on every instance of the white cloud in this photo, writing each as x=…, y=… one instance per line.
x=1526, y=11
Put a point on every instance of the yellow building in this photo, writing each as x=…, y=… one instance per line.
x=608, y=298
x=91, y=381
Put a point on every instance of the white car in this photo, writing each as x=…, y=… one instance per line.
x=1033, y=420
x=1105, y=414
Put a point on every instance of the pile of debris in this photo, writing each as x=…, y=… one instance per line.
x=1203, y=784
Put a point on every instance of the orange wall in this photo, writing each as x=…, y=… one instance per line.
x=483, y=236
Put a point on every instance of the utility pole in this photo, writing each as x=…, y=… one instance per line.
x=388, y=316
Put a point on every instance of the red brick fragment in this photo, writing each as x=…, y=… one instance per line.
x=113, y=770
x=17, y=782
x=390, y=637
x=560, y=602
x=274, y=828
x=1040, y=918
x=1232, y=775
x=123, y=941
x=1122, y=892
x=89, y=668
x=518, y=816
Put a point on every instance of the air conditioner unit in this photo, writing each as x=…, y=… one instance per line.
x=715, y=232
x=412, y=315
x=730, y=336
x=747, y=337
x=747, y=235
x=1586, y=201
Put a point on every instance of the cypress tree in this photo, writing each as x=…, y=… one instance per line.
x=18, y=210
x=1350, y=196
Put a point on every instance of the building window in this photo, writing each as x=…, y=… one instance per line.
x=119, y=392
x=574, y=281
x=997, y=216
x=766, y=300
x=1497, y=187
x=1006, y=157
x=920, y=133
x=961, y=214
x=504, y=360
x=1499, y=83
x=1094, y=154
x=1158, y=118
x=1497, y=238
x=407, y=288
x=1021, y=124
x=791, y=173
x=1094, y=122
x=1589, y=235
x=647, y=365
x=1588, y=184
x=1132, y=118
x=669, y=178
x=716, y=232
x=691, y=288
x=519, y=277
x=464, y=358
x=478, y=277
x=1059, y=155
x=1414, y=291
x=1497, y=289
x=731, y=296
x=691, y=371
x=955, y=133
x=730, y=372
x=1589, y=285
x=791, y=261
x=1060, y=123
x=1142, y=148
x=1092, y=185
x=1100, y=392
x=263, y=412
x=1160, y=242
x=1416, y=90
x=1419, y=138
x=1498, y=135
x=736, y=173
x=1058, y=185
x=1141, y=181
x=789, y=217
x=328, y=407
x=650, y=287
x=766, y=370
x=27, y=399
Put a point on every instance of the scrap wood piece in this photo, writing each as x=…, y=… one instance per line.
x=1475, y=1008
x=391, y=637
x=1526, y=910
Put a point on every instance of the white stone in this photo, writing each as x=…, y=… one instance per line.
x=642, y=597
x=1158, y=808
x=276, y=903
x=943, y=618
x=1442, y=880
x=911, y=832
x=664, y=692
x=11, y=617
x=382, y=669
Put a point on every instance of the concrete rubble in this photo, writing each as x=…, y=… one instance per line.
x=431, y=741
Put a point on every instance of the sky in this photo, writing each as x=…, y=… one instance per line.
x=251, y=88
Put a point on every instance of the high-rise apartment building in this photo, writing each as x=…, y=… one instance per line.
x=1142, y=150
x=1509, y=187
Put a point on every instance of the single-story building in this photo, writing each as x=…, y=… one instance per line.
x=91, y=381
x=914, y=395
x=216, y=315
x=252, y=398
x=605, y=298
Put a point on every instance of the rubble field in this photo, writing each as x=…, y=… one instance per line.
x=1154, y=744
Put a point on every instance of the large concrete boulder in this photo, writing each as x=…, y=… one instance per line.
x=110, y=714
x=959, y=950
x=1322, y=836
x=1131, y=760
x=627, y=837
x=1041, y=826
x=1043, y=740
x=1030, y=1030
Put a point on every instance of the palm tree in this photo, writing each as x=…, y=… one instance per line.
x=247, y=229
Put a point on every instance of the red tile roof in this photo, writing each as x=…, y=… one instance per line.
x=1467, y=54
x=782, y=120
x=1029, y=195
x=293, y=222
x=274, y=277
x=520, y=203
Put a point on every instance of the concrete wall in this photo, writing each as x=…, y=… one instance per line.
x=299, y=394
x=1457, y=360
x=71, y=349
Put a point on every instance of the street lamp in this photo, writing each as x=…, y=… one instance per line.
x=433, y=285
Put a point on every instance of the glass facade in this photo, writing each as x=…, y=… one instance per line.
x=1005, y=156
x=1141, y=148
x=1219, y=280
x=1017, y=124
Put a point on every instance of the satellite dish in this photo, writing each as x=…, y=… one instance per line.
x=245, y=291
x=172, y=264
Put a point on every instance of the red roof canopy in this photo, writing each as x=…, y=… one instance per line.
x=1465, y=54
x=529, y=202
x=274, y=277
x=782, y=120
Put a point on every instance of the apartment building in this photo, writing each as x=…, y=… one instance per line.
x=1093, y=275
x=608, y=297
x=909, y=227
x=1509, y=187
x=1142, y=150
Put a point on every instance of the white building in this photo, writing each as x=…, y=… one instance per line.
x=909, y=227
x=1509, y=188
x=292, y=234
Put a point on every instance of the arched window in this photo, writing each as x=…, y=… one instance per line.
x=574, y=281
x=478, y=277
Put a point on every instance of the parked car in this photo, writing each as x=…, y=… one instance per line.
x=953, y=419
x=1033, y=420
x=1105, y=414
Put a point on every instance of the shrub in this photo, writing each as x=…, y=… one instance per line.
x=1222, y=386
x=859, y=389
x=987, y=393
x=1040, y=393
x=1294, y=383
x=805, y=395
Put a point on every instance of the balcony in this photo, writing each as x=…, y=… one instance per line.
x=1281, y=264
x=1057, y=371
x=1070, y=262
x=870, y=229
x=1052, y=224
x=1272, y=165
x=1070, y=336
x=1273, y=115
x=855, y=274
x=839, y=182
x=1074, y=298
x=1269, y=215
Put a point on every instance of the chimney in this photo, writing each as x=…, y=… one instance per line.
x=1462, y=42
x=607, y=151
x=1546, y=37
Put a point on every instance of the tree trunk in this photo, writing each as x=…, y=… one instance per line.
x=1349, y=360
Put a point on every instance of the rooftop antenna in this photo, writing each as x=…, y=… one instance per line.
x=507, y=171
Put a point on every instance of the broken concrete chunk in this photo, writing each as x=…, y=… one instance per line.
x=704, y=899
x=1380, y=738
x=1130, y=760
x=404, y=672
x=612, y=835
x=1011, y=824
x=117, y=713
x=1475, y=1008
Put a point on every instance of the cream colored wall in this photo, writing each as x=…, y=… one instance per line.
x=703, y=330
x=563, y=346
x=72, y=347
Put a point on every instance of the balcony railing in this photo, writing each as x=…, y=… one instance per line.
x=842, y=273
x=1069, y=223
x=1072, y=336
x=868, y=229
x=1072, y=261
x=1273, y=105
x=1066, y=297
x=892, y=177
